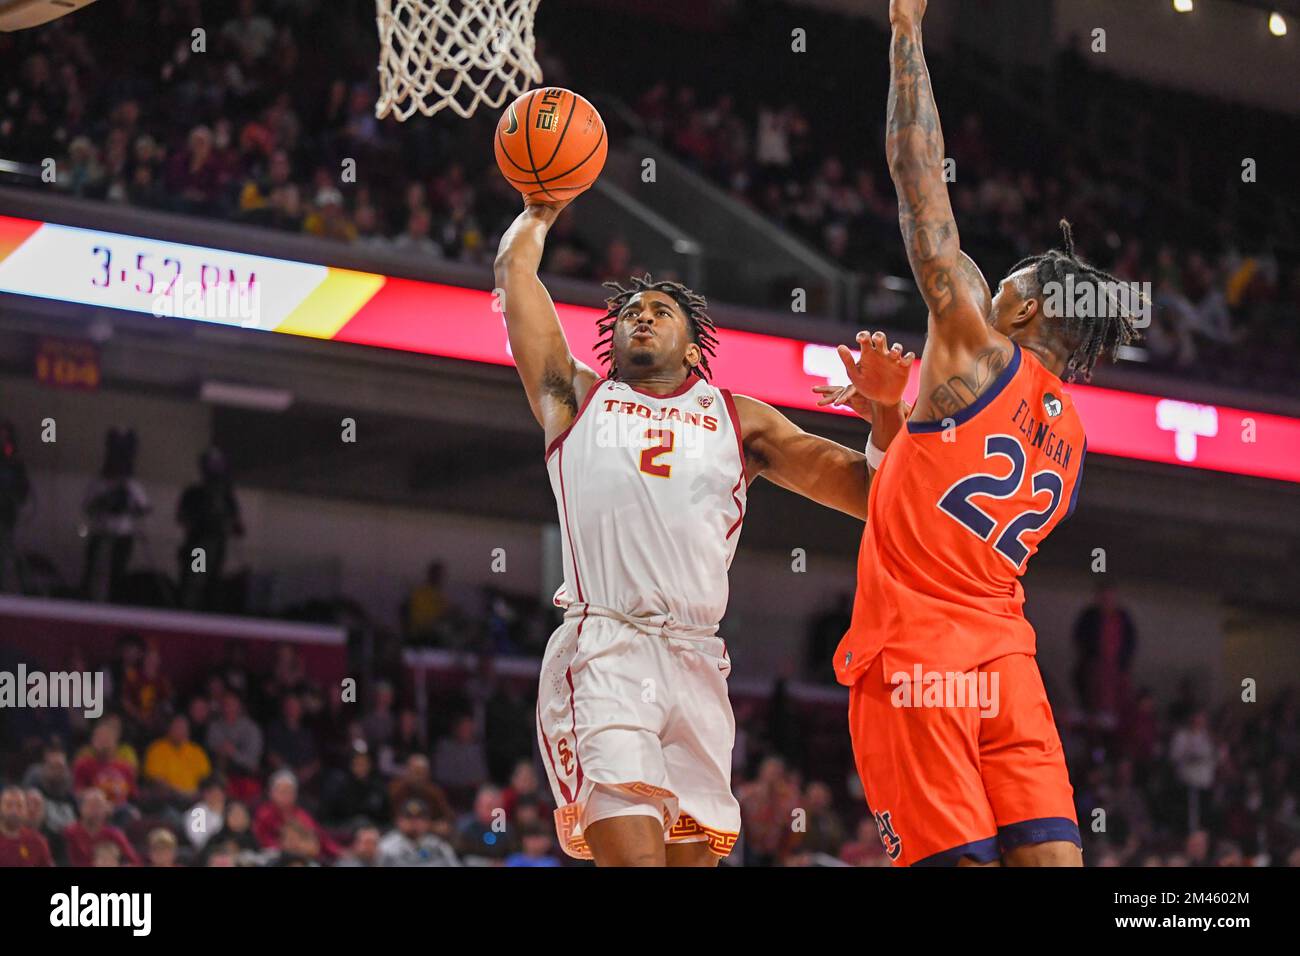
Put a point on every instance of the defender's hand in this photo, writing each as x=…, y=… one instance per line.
x=880, y=372
x=845, y=395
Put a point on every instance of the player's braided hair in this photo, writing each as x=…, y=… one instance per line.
x=692, y=304
x=1087, y=337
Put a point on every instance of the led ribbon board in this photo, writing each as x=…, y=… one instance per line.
x=177, y=281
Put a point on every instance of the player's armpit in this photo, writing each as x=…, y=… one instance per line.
x=817, y=468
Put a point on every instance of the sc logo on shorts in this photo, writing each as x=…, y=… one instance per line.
x=892, y=841
x=566, y=756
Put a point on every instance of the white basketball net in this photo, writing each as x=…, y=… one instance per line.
x=453, y=53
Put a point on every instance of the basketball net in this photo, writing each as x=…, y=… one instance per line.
x=436, y=54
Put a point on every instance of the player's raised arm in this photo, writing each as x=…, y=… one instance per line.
x=951, y=284
x=553, y=379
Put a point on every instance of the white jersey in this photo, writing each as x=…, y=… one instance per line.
x=651, y=495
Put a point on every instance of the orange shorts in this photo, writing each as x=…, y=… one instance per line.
x=961, y=764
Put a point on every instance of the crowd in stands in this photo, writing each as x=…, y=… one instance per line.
x=261, y=124
x=273, y=767
x=1221, y=257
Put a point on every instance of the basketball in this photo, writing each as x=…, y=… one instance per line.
x=550, y=144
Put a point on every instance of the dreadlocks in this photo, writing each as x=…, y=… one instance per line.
x=692, y=304
x=1087, y=336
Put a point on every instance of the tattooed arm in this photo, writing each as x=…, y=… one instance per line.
x=963, y=354
x=554, y=380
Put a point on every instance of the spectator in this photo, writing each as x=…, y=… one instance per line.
x=299, y=845
x=114, y=504
x=92, y=830
x=866, y=849
x=458, y=760
x=412, y=843
x=482, y=833
x=1196, y=849
x=1192, y=752
x=161, y=844
x=176, y=762
x=107, y=764
x=407, y=740
x=282, y=808
x=1104, y=640
x=249, y=33
x=205, y=819
x=537, y=844
x=417, y=236
x=427, y=608
x=52, y=778
x=524, y=788
x=364, y=850
x=357, y=792
x=366, y=220
x=289, y=675
x=14, y=490
x=237, y=829
x=128, y=657
x=416, y=783
x=330, y=220
x=195, y=176
x=38, y=819
x=147, y=693
x=20, y=845
x=290, y=744
x=767, y=807
x=106, y=854
x=209, y=514
x=823, y=831
x=379, y=724
x=235, y=744
x=199, y=713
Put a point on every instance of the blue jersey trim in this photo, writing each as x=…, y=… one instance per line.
x=970, y=411
x=1078, y=481
x=1042, y=830
x=981, y=851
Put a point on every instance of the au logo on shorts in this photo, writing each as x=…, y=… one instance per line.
x=892, y=841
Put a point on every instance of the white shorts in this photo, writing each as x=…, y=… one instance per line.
x=632, y=720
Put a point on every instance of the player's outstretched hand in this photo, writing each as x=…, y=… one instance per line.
x=878, y=375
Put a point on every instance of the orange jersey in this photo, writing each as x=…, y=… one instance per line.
x=954, y=515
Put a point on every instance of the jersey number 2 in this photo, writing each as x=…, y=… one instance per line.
x=956, y=501
x=648, y=464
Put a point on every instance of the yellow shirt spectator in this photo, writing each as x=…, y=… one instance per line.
x=181, y=765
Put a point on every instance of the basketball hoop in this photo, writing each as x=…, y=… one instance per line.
x=436, y=54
